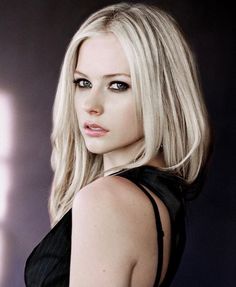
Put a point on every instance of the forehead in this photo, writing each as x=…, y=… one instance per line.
x=102, y=54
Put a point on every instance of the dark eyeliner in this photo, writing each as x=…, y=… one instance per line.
x=120, y=82
x=75, y=81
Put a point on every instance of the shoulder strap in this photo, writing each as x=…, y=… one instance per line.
x=160, y=234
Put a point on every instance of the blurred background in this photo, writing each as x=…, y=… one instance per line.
x=33, y=39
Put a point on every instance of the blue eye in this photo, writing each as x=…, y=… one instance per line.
x=78, y=82
x=118, y=86
x=121, y=86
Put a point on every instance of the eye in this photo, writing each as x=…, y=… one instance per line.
x=82, y=83
x=120, y=86
x=116, y=86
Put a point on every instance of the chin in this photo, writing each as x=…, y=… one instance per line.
x=95, y=149
x=100, y=149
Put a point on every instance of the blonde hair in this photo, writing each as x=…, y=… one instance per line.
x=169, y=102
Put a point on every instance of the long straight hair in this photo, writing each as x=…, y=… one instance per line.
x=168, y=98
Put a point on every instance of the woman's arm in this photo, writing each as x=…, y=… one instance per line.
x=104, y=238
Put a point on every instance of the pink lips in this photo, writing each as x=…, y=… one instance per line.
x=100, y=131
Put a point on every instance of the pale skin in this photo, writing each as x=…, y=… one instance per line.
x=113, y=224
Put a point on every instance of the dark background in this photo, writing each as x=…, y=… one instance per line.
x=33, y=39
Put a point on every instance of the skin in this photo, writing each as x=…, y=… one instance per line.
x=114, y=236
x=110, y=105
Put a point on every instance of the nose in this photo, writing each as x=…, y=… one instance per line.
x=93, y=103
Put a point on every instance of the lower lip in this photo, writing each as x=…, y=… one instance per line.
x=94, y=133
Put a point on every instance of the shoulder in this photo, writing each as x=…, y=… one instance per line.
x=114, y=193
x=118, y=202
x=103, y=234
x=113, y=226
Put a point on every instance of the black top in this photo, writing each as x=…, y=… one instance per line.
x=49, y=262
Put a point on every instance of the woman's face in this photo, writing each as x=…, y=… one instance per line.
x=106, y=100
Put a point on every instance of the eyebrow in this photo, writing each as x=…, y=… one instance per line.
x=105, y=76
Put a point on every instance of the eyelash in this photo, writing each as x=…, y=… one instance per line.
x=77, y=81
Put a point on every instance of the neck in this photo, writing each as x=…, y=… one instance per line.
x=128, y=154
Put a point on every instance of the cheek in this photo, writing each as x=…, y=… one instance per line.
x=78, y=114
x=127, y=120
x=77, y=105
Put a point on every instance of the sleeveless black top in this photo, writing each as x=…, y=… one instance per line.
x=49, y=263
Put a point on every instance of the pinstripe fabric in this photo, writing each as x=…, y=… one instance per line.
x=49, y=263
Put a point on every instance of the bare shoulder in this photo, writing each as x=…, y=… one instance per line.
x=115, y=193
x=123, y=191
x=119, y=199
x=104, y=236
x=113, y=227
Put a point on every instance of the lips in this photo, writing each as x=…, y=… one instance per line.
x=93, y=125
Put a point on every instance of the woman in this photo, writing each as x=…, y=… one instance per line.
x=130, y=139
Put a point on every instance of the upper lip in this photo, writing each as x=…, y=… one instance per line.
x=93, y=125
